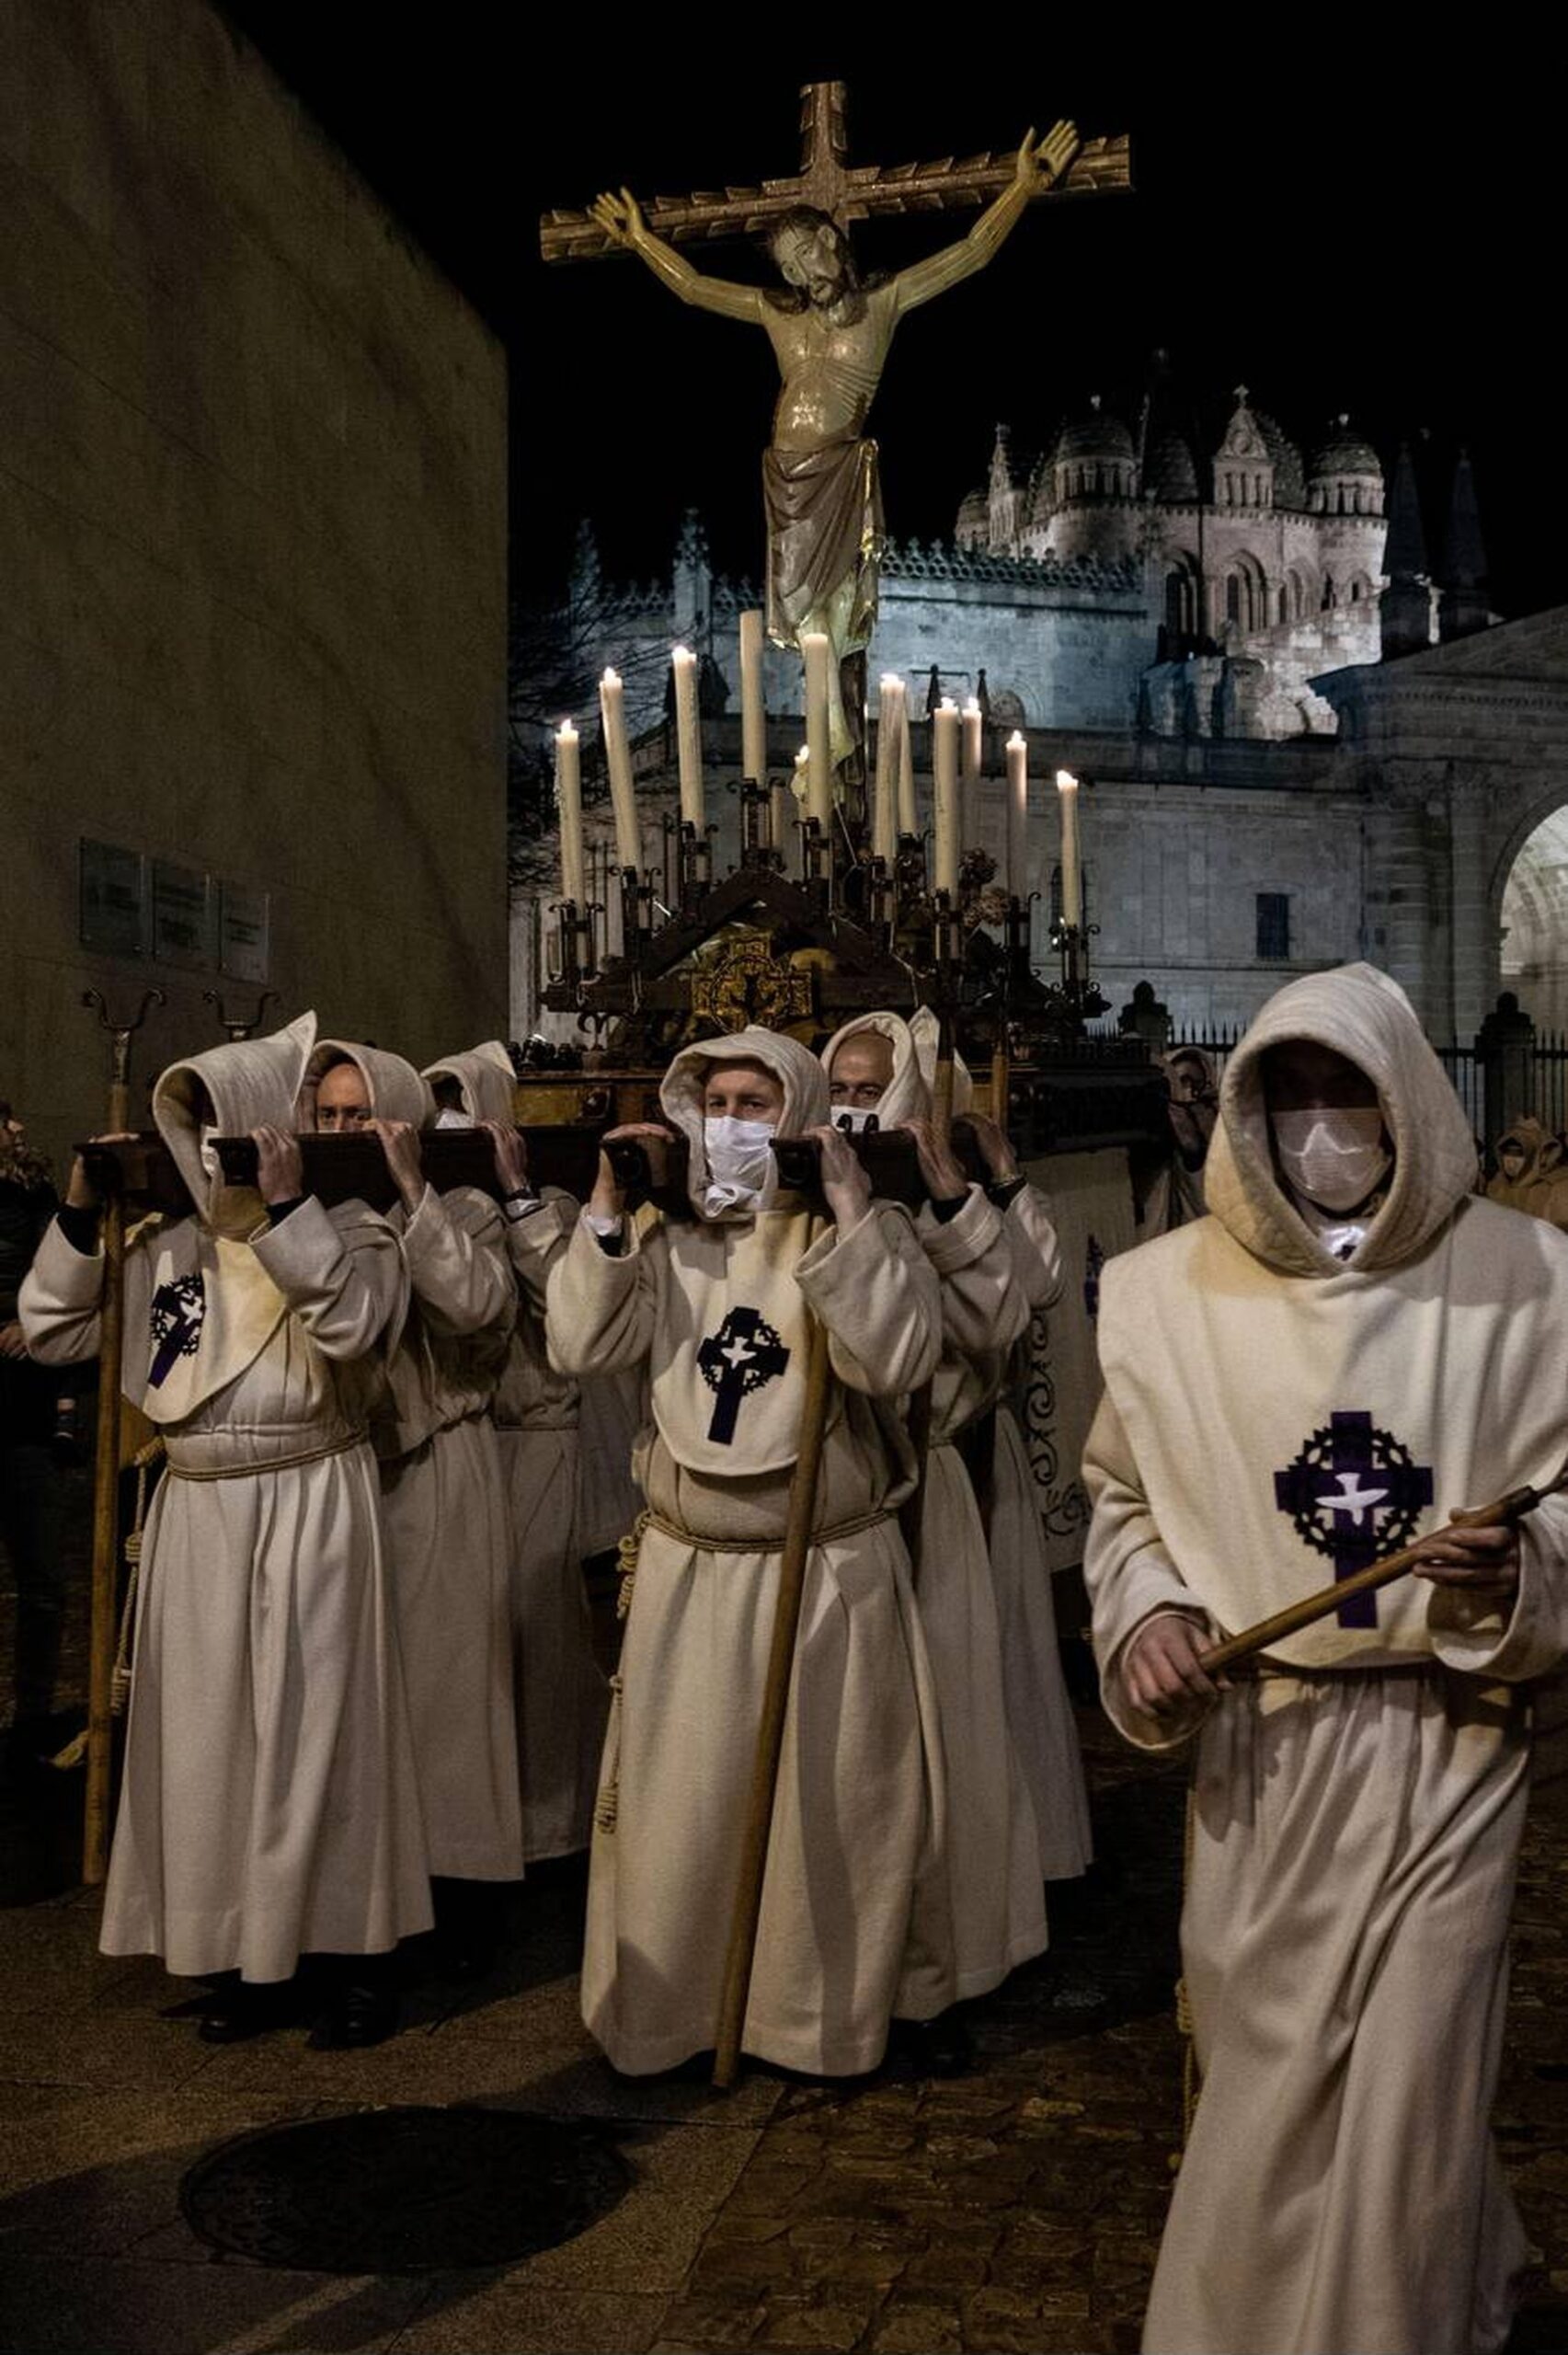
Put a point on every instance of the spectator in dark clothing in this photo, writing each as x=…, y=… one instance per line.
x=37, y=1429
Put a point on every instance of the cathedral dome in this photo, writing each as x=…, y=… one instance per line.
x=1094, y=458
x=1098, y=435
x=1344, y=453
x=1170, y=472
x=1346, y=477
x=973, y=529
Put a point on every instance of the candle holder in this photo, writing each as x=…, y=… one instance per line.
x=756, y=849
x=1072, y=942
x=574, y=943
x=816, y=858
x=636, y=914
x=695, y=855
x=947, y=932
x=882, y=898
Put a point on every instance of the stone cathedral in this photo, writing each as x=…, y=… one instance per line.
x=1307, y=735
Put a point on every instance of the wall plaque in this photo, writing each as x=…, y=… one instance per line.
x=182, y=916
x=244, y=923
x=114, y=899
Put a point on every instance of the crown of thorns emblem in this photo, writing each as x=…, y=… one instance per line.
x=175, y=1320
x=1352, y=1480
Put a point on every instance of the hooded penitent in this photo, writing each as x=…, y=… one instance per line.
x=251, y=1084
x=210, y=1305
x=1361, y=1013
x=396, y=1091
x=1338, y=1410
x=798, y=1074
x=484, y=1077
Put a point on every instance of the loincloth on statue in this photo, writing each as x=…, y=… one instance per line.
x=825, y=538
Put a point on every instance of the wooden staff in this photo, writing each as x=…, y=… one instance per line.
x=741, y=1952
x=104, y=1637
x=1503, y=1514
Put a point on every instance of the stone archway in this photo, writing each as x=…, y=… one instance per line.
x=1535, y=922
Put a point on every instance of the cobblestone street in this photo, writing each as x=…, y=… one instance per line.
x=1017, y=2207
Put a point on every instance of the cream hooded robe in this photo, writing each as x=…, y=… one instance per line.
x=562, y=1697
x=994, y=1846
x=1273, y=1418
x=444, y=1501
x=854, y=1919
x=268, y=1806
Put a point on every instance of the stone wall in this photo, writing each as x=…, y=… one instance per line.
x=253, y=543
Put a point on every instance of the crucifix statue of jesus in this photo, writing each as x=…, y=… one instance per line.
x=831, y=330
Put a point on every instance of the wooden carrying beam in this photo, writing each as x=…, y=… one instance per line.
x=143, y=1173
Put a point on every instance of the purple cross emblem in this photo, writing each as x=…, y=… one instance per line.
x=1354, y=1493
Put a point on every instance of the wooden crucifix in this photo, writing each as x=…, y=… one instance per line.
x=831, y=332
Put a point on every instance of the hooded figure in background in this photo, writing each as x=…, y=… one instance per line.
x=712, y=1311
x=1531, y=1176
x=268, y=1806
x=1015, y=1788
x=562, y=1696
x=444, y=1498
x=1350, y=1344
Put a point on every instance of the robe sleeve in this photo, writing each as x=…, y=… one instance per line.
x=535, y=1243
x=984, y=1309
x=879, y=1298
x=1131, y=1579
x=600, y=1307
x=341, y=1274
x=59, y=1301
x=1470, y=1631
x=454, y=1247
x=1032, y=1231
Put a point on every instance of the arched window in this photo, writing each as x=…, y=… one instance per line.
x=1247, y=601
x=1360, y=588
x=1330, y=595
x=1181, y=600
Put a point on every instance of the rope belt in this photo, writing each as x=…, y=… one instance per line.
x=273, y=1462
x=831, y=1537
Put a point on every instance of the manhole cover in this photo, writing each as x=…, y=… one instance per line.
x=402, y=2190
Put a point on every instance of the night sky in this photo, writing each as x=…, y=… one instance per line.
x=1309, y=218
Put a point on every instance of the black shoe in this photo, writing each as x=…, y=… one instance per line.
x=938, y=2047
x=357, y=2014
x=233, y=2015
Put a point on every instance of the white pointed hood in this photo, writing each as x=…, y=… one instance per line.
x=484, y=1077
x=1358, y=1012
x=796, y=1069
x=396, y=1090
x=252, y=1082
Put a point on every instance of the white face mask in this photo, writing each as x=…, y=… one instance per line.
x=739, y=1159
x=207, y=1148
x=1334, y=1156
x=856, y=1121
x=448, y=1118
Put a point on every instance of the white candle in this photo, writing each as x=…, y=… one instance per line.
x=618, y=754
x=689, y=738
x=1017, y=816
x=753, y=711
x=815, y=652
x=944, y=780
x=889, y=730
x=568, y=808
x=908, y=817
x=974, y=726
x=1071, y=872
